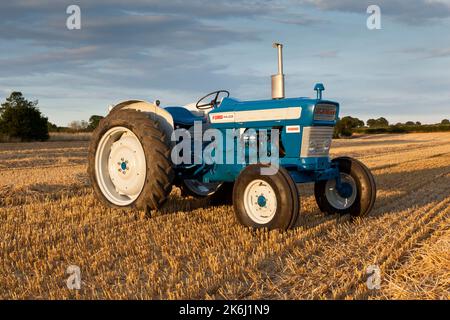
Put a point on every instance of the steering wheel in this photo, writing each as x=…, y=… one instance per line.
x=204, y=106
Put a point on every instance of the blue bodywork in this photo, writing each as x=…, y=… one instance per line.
x=302, y=169
x=183, y=117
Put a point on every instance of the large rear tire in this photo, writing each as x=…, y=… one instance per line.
x=266, y=201
x=129, y=161
x=358, y=195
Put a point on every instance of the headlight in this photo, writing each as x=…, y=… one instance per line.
x=316, y=146
x=316, y=141
x=327, y=144
x=313, y=146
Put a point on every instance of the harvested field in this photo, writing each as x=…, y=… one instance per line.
x=50, y=219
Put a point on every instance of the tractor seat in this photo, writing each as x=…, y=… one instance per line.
x=183, y=117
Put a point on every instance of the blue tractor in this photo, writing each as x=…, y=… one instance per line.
x=135, y=157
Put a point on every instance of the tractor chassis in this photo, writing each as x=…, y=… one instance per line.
x=298, y=174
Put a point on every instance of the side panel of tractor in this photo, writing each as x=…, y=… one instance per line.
x=305, y=131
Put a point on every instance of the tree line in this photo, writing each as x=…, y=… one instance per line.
x=21, y=119
x=348, y=125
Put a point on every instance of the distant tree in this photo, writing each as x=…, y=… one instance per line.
x=382, y=122
x=410, y=123
x=78, y=125
x=74, y=125
x=445, y=121
x=93, y=122
x=344, y=127
x=358, y=123
x=418, y=123
x=20, y=118
x=52, y=127
x=371, y=123
x=377, y=123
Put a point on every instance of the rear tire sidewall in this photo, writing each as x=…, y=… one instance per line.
x=132, y=120
x=104, y=126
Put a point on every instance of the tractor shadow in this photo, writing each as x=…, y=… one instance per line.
x=394, y=195
x=397, y=196
x=397, y=192
x=177, y=203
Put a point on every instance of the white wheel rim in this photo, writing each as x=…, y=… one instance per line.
x=333, y=196
x=260, y=201
x=120, y=166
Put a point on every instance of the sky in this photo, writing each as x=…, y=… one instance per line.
x=177, y=51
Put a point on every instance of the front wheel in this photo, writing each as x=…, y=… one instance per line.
x=266, y=201
x=356, y=195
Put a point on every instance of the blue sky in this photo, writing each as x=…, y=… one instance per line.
x=177, y=51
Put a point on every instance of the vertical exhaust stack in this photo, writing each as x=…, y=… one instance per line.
x=278, y=79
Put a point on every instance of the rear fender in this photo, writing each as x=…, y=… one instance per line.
x=156, y=113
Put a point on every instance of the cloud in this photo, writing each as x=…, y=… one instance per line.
x=178, y=50
x=297, y=19
x=194, y=8
x=439, y=53
x=327, y=54
x=168, y=30
x=426, y=53
x=135, y=43
x=129, y=44
x=411, y=11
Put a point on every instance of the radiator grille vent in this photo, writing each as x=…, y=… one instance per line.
x=316, y=141
x=325, y=112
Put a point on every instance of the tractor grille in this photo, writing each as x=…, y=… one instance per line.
x=325, y=112
x=316, y=141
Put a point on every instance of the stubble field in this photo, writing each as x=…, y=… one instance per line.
x=50, y=219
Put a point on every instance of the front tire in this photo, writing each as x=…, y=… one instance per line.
x=129, y=161
x=358, y=194
x=266, y=201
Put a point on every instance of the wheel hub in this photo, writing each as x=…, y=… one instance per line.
x=260, y=201
x=344, y=196
x=345, y=190
x=123, y=165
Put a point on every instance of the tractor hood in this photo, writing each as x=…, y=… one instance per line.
x=305, y=111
